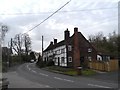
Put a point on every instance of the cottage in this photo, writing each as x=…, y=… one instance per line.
x=73, y=51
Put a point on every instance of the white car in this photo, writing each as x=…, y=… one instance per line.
x=32, y=60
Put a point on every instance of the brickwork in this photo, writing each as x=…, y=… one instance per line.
x=76, y=50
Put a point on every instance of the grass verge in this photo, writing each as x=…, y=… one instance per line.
x=88, y=72
x=70, y=71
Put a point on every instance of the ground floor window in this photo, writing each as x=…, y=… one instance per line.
x=62, y=59
x=70, y=59
x=90, y=58
x=45, y=59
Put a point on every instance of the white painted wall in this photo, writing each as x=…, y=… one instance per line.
x=99, y=57
x=58, y=54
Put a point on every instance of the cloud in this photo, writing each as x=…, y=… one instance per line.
x=75, y=14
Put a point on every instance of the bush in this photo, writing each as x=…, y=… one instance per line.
x=26, y=58
x=40, y=64
x=50, y=63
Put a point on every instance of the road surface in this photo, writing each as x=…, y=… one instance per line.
x=39, y=78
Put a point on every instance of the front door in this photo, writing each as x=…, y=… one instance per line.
x=82, y=60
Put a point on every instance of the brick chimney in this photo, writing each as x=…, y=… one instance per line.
x=76, y=50
x=66, y=34
x=55, y=41
x=51, y=43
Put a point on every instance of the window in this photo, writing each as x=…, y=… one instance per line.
x=62, y=50
x=108, y=57
x=55, y=52
x=89, y=50
x=62, y=60
x=99, y=58
x=69, y=48
x=58, y=51
x=56, y=61
x=70, y=59
x=45, y=59
x=90, y=58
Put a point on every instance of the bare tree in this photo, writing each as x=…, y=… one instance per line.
x=21, y=44
x=27, y=43
x=17, y=44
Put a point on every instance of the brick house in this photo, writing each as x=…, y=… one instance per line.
x=73, y=51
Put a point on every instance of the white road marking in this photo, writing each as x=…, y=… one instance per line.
x=33, y=71
x=43, y=74
x=63, y=79
x=28, y=67
x=58, y=78
x=68, y=80
x=47, y=86
x=36, y=72
x=98, y=86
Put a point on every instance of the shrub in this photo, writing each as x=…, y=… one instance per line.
x=40, y=64
x=50, y=63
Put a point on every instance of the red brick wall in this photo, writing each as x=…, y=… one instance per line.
x=76, y=50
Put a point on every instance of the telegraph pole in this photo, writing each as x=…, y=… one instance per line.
x=42, y=47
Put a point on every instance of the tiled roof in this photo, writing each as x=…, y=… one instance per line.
x=50, y=47
x=61, y=43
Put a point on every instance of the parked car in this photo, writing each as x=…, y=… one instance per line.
x=32, y=60
x=4, y=83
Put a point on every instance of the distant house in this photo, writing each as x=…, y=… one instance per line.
x=73, y=51
x=103, y=57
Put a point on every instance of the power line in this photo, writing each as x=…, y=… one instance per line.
x=59, y=11
x=48, y=17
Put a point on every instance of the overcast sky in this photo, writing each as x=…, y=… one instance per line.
x=90, y=16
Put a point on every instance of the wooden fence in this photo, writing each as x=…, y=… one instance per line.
x=111, y=65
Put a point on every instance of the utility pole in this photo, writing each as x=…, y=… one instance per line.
x=11, y=45
x=42, y=47
x=19, y=50
x=10, y=52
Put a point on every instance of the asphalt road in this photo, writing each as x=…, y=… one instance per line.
x=29, y=76
x=44, y=79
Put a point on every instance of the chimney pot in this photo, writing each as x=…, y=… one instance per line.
x=55, y=41
x=75, y=29
x=51, y=43
x=66, y=34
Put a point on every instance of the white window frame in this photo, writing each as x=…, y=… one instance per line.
x=89, y=50
x=70, y=59
x=63, y=50
x=90, y=58
x=69, y=48
x=62, y=60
